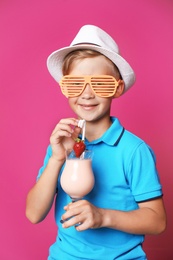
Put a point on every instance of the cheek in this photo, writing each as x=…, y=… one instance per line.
x=69, y=102
x=106, y=103
x=72, y=102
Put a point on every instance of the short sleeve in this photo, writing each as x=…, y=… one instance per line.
x=46, y=159
x=143, y=175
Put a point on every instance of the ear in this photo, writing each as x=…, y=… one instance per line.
x=120, y=89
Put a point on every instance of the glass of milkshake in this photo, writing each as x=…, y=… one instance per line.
x=77, y=178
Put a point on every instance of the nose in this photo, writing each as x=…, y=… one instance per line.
x=87, y=92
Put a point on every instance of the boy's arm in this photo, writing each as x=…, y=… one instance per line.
x=150, y=218
x=40, y=198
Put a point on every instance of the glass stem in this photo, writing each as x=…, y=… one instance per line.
x=75, y=199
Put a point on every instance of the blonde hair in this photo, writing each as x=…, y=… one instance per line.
x=83, y=54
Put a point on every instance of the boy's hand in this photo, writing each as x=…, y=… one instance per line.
x=62, y=137
x=84, y=213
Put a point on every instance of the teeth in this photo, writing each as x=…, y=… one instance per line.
x=81, y=123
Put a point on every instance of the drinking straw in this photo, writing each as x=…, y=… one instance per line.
x=83, y=130
x=82, y=124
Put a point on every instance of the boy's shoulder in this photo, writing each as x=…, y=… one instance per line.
x=133, y=137
x=134, y=143
x=127, y=135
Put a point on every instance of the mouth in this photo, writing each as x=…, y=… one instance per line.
x=88, y=107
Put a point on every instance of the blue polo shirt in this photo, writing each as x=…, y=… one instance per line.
x=125, y=174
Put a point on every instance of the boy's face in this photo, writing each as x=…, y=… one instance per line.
x=89, y=106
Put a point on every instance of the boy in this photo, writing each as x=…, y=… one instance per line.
x=126, y=201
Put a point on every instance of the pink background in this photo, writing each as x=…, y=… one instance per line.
x=31, y=103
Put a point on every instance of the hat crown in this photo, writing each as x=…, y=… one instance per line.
x=90, y=34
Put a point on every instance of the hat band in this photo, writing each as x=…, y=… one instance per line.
x=86, y=43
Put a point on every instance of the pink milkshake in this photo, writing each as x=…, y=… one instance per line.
x=77, y=179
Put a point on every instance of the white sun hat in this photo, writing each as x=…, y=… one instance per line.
x=93, y=38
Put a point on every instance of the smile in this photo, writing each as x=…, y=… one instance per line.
x=88, y=107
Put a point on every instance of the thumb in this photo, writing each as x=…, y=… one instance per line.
x=76, y=132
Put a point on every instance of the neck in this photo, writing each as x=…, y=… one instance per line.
x=95, y=130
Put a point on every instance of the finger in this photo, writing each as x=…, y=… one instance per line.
x=84, y=224
x=72, y=205
x=68, y=214
x=69, y=222
x=76, y=132
x=71, y=211
x=67, y=122
x=62, y=127
x=66, y=132
x=72, y=221
x=61, y=131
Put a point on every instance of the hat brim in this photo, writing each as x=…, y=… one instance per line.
x=55, y=61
